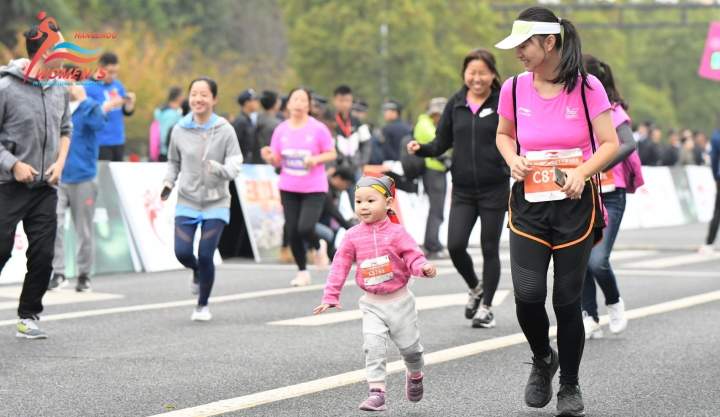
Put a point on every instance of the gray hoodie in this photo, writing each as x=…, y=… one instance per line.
x=206, y=159
x=32, y=120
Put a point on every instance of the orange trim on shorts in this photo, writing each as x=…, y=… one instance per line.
x=590, y=226
x=518, y=232
x=543, y=242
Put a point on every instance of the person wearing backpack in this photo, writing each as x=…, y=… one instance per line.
x=621, y=176
x=480, y=178
x=555, y=132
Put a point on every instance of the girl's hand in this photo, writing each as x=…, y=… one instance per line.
x=214, y=167
x=165, y=193
x=429, y=270
x=324, y=307
x=267, y=154
x=412, y=147
x=519, y=168
x=574, y=183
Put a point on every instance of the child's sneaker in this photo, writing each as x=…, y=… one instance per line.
x=414, y=388
x=375, y=401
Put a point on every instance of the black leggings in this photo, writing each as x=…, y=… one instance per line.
x=464, y=212
x=302, y=211
x=529, y=265
x=715, y=222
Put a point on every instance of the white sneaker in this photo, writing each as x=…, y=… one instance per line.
x=592, y=328
x=302, y=279
x=321, y=258
x=616, y=312
x=201, y=314
x=706, y=250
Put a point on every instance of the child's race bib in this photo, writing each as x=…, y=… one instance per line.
x=294, y=161
x=540, y=182
x=376, y=270
x=607, y=182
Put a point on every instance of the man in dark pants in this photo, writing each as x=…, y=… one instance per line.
x=707, y=248
x=244, y=124
x=35, y=129
x=434, y=178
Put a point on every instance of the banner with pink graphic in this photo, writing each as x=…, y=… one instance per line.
x=710, y=64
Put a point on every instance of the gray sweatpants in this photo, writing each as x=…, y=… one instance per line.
x=396, y=320
x=80, y=198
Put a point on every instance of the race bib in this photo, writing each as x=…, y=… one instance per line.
x=607, y=182
x=376, y=270
x=294, y=161
x=540, y=182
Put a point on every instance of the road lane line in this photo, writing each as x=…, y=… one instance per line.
x=422, y=303
x=441, y=356
x=671, y=261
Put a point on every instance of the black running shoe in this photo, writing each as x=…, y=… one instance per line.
x=538, y=391
x=83, y=284
x=474, y=298
x=57, y=282
x=570, y=402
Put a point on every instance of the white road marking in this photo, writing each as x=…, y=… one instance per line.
x=171, y=304
x=55, y=297
x=422, y=303
x=660, y=273
x=670, y=261
x=445, y=355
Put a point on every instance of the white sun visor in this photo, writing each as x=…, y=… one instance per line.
x=522, y=31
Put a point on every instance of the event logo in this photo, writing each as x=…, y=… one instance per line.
x=54, y=48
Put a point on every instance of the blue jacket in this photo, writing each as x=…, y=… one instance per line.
x=81, y=162
x=114, y=131
x=715, y=154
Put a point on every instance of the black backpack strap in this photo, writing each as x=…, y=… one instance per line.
x=514, y=95
x=592, y=136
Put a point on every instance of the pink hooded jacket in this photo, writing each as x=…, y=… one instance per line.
x=386, y=257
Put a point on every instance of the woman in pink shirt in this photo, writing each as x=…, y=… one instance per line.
x=554, y=115
x=301, y=146
x=624, y=175
x=386, y=257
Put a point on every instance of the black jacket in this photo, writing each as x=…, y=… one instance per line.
x=393, y=135
x=245, y=132
x=476, y=161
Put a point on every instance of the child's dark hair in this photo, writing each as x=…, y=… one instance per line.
x=485, y=56
x=568, y=42
x=602, y=71
x=210, y=82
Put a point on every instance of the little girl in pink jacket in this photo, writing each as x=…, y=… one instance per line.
x=386, y=257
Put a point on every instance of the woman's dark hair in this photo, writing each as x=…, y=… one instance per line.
x=571, y=61
x=309, y=96
x=602, y=71
x=485, y=56
x=210, y=82
x=185, y=106
x=174, y=93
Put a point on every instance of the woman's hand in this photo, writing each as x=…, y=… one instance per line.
x=310, y=162
x=165, y=193
x=519, y=168
x=412, y=147
x=574, y=183
x=323, y=308
x=214, y=167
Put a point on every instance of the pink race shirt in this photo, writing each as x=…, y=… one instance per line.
x=296, y=144
x=552, y=123
x=619, y=116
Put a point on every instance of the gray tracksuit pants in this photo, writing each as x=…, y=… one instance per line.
x=396, y=320
x=80, y=199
